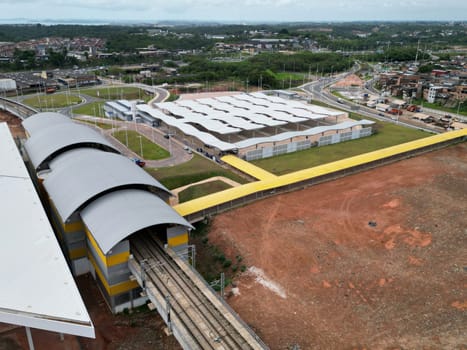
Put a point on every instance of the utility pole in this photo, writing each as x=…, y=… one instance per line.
x=416, y=55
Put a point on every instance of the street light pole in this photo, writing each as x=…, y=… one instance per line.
x=458, y=108
x=141, y=145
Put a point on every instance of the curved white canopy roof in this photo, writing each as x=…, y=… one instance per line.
x=77, y=179
x=41, y=121
x=116, y=215
x=47, y=143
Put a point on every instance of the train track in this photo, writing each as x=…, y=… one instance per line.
x=18, y=109
x=191, y=305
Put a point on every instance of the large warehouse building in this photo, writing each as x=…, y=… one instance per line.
x=254, y=126
x=99, y=199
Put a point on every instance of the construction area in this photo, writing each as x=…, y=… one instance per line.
x=375, y=260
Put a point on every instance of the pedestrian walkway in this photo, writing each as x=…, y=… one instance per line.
x=248, y=168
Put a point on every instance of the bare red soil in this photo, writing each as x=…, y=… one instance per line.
x=14, y=123
x=376, y=260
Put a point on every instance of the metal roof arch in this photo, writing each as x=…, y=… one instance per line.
x=76, y=181
x=42, y=121
x=117, y=215
x=46, y=144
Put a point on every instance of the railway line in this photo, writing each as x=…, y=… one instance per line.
x=18, y=109
x=192, y=311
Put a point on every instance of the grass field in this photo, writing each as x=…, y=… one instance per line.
x=117, y=93
x=289, y=76
x=197, y=169
x=150, y=151
x=98, y=124
x=387, y=135
x=95, y=109
x=52, y=101
x=201, y=190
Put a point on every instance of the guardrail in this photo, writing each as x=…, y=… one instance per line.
x=16, y=108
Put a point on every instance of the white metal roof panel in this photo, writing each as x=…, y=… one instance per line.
x=43, y=145
x=308, y=132
x=118, y=107
x=37, y=288
x=187, y=128
x=296, y=104
x=188, y=116
x=235, y=102
x=42, y=121
x=77, y=179
x=116, y=215
x=237, y=122
x=252, y=100
x=289, y=118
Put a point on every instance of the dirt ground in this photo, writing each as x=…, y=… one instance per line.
x=14, y=124
x=140, y=330
x=376, y=260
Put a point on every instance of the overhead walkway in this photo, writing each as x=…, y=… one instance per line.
x=198, y=209
x=248, y=168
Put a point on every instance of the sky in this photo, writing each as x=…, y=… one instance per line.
x=238, y=11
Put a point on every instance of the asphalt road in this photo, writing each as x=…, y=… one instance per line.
x=319, y=92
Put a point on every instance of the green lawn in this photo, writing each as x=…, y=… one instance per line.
x=197, y=169
x=98, y=124
x=95, y=109
x=172, y=97
x=117, y=93
x=201, y=190
x=151, y=151
x=387, y=135
x=289, y=76
x=52, y=101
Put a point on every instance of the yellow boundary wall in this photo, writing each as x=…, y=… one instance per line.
x=231, y=194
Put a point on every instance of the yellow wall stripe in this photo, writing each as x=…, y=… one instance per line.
x=115, y=289
x=96, y=246
x=73, y=226
x=110, y=260
x=77, y=253
x=178, y=240
x=118, y=258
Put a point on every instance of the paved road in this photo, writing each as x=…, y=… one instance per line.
x=178, y=153
x=318, y=90
x=160, y=95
